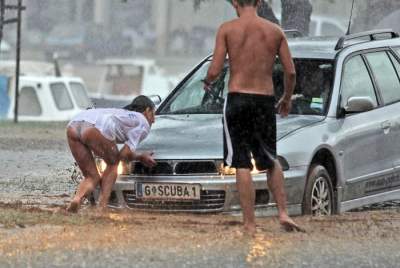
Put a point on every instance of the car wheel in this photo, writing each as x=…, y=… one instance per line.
x=318, y=196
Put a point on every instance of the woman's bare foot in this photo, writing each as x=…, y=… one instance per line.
x=249, y=230
x=73, y=206
x=289, y=225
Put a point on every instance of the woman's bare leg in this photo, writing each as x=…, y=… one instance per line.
x=84, y=158
x=108, y=151
x=107, y=182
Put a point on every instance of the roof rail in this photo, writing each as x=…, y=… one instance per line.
x=371, y=34
x=293, y=33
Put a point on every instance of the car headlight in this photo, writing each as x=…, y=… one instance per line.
x=123, y=167
x=230, y=171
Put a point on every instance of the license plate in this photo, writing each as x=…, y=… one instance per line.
x=168, y=191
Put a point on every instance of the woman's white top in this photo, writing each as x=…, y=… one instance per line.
x=118, y=125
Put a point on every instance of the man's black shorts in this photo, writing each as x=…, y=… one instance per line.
x=250, y=131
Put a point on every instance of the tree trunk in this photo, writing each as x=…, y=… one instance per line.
x=265, y=11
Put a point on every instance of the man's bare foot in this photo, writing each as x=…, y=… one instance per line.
x=289, y=225
x=73, y=207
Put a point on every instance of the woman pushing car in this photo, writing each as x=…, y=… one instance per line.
x=97, y=131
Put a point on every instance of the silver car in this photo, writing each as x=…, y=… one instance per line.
x=339, y=147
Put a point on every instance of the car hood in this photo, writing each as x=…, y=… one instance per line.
x=201, y=137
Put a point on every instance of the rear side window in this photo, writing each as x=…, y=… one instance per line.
x=397, y=49
x=356, y=81
x=80, y=95
x=29, y=102
x=61, y=96
x=385, y=76
x=396, y=64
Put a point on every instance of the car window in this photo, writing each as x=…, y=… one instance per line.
x=29, y=104
x=313, y=85
x=356, y=81
x=313, y=28
x=124, y=80
x=61, y=96
x=192, y=99
x=397, y=49
x=80, y=95
x=329, y=29
x=396, y=64
x=385, y=76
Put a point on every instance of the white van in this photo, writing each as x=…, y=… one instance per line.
x=124, y=79
x=49, y=98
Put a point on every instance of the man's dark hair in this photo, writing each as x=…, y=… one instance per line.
x=140, y=104
x=243, y=3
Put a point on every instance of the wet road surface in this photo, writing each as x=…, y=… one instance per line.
x=35, y=231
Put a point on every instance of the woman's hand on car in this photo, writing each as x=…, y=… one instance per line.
x=147, y=159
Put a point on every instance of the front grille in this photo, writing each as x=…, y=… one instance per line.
x=262, y=197
x=162, y=168
x=176, y=168
x=206, y=167
x=113, y=201
x=212, y=200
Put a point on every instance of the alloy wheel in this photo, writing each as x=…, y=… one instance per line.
x=321, y=200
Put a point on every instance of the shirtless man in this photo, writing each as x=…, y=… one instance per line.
x=252, y=43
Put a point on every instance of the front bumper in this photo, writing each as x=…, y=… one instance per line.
x=218, y=193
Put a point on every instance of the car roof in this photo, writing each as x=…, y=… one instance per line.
x=313, y=47
x=329, y=47
x=51, y=79
x=125, y=61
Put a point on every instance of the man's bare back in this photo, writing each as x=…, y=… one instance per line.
x=252, y=44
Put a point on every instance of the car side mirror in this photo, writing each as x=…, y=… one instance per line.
x=359, y=105
x=156, y=99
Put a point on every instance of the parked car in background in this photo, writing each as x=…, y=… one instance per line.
x=124, y=79
x=42, y=95
x=50, y=98
x=339, y=147
x=324, y=26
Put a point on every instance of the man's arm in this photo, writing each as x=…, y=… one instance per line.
x=289, y=70
x=127, y=155
x=219, y=56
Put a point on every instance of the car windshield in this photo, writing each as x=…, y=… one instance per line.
x=311, y=95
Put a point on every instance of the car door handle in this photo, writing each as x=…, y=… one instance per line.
x=386, y=125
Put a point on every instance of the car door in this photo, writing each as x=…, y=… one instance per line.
x=386, y=70
x=362, y=138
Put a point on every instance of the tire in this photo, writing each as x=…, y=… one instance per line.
x=316, y=203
